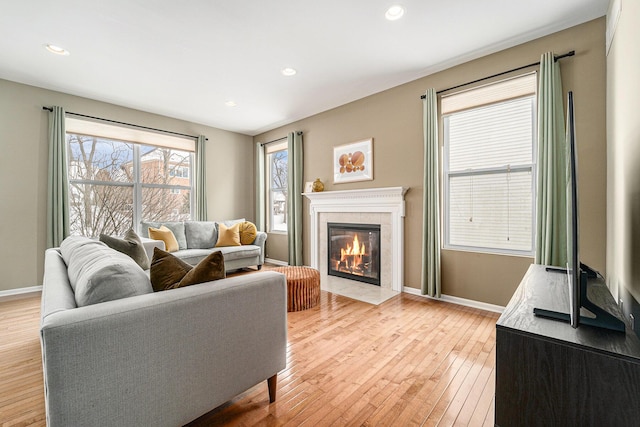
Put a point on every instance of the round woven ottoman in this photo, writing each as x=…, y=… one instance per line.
x=303, y=287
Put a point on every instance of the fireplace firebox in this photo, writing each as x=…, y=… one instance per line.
x=353, y=251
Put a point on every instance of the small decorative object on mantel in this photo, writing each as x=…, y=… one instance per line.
x=353, y=162
x=318, y=186
x=308, y=187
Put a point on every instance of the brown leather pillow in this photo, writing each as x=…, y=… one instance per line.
x=210, y=268
x=166, y=270
x=170, y=272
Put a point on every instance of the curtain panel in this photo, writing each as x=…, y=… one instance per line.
x=200, y=183
x=431, y=199
x=551, y=203
x=260, y=188
x=294, y=197
x=58, y=181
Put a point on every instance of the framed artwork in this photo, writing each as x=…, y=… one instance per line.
x=353, y=162
x=308, y=186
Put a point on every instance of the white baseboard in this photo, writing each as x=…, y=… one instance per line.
x=276, y=262
x=457, y=300
x=20, y=291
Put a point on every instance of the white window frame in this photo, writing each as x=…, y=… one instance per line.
x=137, y=138
x=525, y=167
x=269, y=150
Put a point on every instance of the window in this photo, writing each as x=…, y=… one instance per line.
x=489, y=167
x=276, y=168
x=114, y=184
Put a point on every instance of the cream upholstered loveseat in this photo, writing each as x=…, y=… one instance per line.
x=143, y=358
x=197, y=239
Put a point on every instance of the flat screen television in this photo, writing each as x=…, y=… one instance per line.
x=577, y=273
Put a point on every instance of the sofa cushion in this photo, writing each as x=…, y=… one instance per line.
x=166, y=235
x=232, y=253
x=176, y=227
x=231, y=222
x=228, y=236
x=201, y=234
x=166, y=270
x=193, y=256
x=248, y=232
x=98, y=273
x=130, y=245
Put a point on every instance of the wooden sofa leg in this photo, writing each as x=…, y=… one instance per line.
x=272, y=383
x=260, y=267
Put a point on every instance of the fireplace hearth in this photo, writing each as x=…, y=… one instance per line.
x=354, y=251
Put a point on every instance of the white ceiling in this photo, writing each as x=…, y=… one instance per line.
x=184, y=59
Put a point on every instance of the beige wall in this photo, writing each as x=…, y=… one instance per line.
x=23, y=172
x=623, y=157
x=393, y=118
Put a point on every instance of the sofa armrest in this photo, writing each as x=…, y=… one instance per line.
x=149, y=244
x=261, y=238
x=132, y=361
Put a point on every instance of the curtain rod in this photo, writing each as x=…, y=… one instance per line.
x=127, y=124
x=279, y=139
x=572, y=53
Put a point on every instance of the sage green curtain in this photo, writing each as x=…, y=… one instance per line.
x=200, y=183
x=58, y=181
x=431, y=199
x=260, y=188
x=294, y=197
x=551, y=204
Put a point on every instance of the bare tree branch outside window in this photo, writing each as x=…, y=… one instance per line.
x=103, y=185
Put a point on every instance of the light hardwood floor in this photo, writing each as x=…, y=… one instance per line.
x=409, y=361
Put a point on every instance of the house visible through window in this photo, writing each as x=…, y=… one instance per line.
x=489, y=167
x=114, y=184
x=276, y=170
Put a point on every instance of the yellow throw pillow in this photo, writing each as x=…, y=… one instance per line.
x=166, y=235
x=248, y=232
x=228, y=236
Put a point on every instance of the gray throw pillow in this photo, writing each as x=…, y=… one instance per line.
x=201, y=234
x=129, y=245
x=98, y=273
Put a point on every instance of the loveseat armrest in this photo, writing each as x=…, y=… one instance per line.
x=261, y=238
x=149, y=244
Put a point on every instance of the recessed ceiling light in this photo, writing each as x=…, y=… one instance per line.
x=230, y=104
x=394, y=12
x=288, y=71
x=56, y=49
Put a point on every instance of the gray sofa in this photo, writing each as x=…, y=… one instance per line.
x=162, y=358
x=197, y=239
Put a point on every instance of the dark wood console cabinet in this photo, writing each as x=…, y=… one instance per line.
x=550, y=374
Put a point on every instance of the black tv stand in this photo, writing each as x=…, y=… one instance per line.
x=548, y=373
x=600, y=319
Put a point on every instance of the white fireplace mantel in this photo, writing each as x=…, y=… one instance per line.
x=388, y=200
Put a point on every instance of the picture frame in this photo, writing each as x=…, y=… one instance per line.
x=308, y=186
x=353, y=162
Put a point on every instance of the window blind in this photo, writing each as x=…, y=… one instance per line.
x=130, y=134
x=489, y=167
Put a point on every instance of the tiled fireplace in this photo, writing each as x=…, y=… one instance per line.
x=381, y=208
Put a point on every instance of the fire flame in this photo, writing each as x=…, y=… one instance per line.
x=352, y=255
